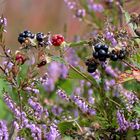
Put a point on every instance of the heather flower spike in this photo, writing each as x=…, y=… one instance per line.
x=81, y=83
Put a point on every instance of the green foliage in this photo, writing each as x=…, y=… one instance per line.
x=65, y=126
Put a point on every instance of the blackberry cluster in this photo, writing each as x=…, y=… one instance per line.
x=40, y=38
x=24, y=35
x=91, y=65
x=101, y=52
x=115, y=55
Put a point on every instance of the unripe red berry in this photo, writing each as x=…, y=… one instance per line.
x=57, y=40
x=20, y=58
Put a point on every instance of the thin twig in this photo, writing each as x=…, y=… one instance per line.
x=131, y=66
x=83, y=75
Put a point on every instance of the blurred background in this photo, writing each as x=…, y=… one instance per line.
x=43, y=16
x=37, y=16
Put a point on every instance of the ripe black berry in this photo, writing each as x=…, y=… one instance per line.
x=104, y=47
x=121, y=54
x=95, y=55
x=26, y=34
x=39, y=37
x=91, y=69
x=102, y=58
x=113, y=57
x=101, y=53
x=97, y=47
x=21, y=39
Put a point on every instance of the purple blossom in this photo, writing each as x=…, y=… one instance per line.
x=62, y=94
x=78, y=91
x=53, y=134
x=3, y=23
x=54, y=70
x=135, y=125
x=64, y=71
x=37, y=107
x=97, y=8
x=110, y=36
x=19, y=138
x=91, y=100
x=12, y=106
x=70, y=4
x=57, y=70
x=90, y=92
x=36, y=132
x=130, y=97
x=56, y=110
x=16, y=125
x=3, y=131
x=80, y=13
x=109, y=84
x=71, y=57
x=48, y=83
x=32, y=90
x=123, y=124
x=96, y=75
x=84, y=107
x=109, y=70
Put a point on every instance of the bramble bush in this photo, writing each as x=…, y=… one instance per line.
x=86, y=89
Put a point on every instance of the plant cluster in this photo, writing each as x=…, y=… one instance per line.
x=47, y=93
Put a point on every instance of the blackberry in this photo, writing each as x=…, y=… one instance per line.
x=97, y=47
x=102, y=58
x=92, y=65
x=113, y=57
x=91, y=69
x=104, y=47
x=95, y=55
x=26, y=34
x=101, y=52
x=21, y=39
x=39, y=37
x=122, y=54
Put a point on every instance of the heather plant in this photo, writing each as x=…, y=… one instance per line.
x=83, y=89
